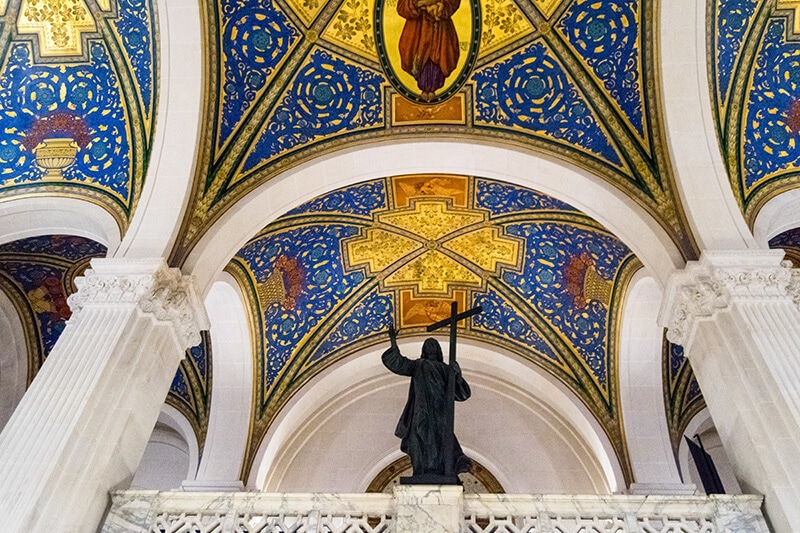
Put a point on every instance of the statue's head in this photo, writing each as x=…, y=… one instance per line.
x=431, y=350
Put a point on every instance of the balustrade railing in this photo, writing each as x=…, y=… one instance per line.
x=492, y=513
x=252, y=512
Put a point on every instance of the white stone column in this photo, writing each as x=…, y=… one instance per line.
x=736, y=315
x=82, y=426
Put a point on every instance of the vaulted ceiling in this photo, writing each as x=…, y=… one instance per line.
x=328, y=278
x=287, y=81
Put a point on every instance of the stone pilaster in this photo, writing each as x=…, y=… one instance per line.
x=737, y=316
x=429, y=508
x=82, y=426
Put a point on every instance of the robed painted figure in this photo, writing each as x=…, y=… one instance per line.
x=422, y=424
x=429, y=42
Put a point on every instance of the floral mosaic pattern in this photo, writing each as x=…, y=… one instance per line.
x=329, y=96
x=531, y=92
x=77, y=99
x=258, y=36
x=606, y=35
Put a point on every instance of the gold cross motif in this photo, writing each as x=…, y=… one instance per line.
x=58, y=24
x=547, y=7
x=416, y=248
x=792, y=5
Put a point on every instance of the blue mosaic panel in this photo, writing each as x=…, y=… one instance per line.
x=180, y=389
x=66, y=247
x=136, y=28
x=682, y=391
x=787, y=239
x=43, y=283
x=372, y=315
x=39, y=267
x=198, y=358
x=256, y=37
x=360, y=199
x=500, y=318
x=733, y=18
x=201, y=358
x=549, y=246
x=606, y=35
x=530, y=91
x=328, y=96
x=502, y=198
x=676, y=360
x=81, y=102
x=770, y=145
x=324, y=285
x=693, y=392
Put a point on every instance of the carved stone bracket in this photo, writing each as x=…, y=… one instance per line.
x=718, y=279
x=150, y=285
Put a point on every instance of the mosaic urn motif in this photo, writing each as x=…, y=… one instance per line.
x=54, y=155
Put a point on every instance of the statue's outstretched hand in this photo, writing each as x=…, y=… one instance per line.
x=392, y=333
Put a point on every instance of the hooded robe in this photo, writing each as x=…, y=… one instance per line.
x=428, y=47
x=422, y=424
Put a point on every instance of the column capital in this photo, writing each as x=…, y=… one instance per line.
x=148, y=284
x=719, y=278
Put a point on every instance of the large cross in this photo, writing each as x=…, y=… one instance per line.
x=450, y=398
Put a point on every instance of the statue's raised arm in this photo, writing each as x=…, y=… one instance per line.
x=423, y=427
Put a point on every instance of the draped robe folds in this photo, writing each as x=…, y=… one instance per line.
x=425, y=39
x=422, y=424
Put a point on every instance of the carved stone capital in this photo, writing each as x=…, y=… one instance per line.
x=718, y=279
x=151, y=286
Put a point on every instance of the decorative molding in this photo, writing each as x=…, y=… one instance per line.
x=151, y=286
x=718, y=279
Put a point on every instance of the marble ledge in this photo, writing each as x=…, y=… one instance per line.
x=612, y=504
x=252, y=502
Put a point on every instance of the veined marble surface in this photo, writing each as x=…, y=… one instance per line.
x=428, y=508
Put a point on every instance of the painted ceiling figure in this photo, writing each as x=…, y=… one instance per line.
x=422, y=424
x=429, y=42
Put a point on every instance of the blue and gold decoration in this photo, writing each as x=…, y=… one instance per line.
x=329, y=277
x=291, y=80
x=78, y=90
x=755, y=79
x=529, y=91
x=258, y=36
x=682, y=396
x=328, y=97
x=38, y=273
x=190, y=392
x=606, y=35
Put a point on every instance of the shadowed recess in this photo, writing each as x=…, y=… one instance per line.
x=190, y=392
x=789, y=241
x=38, y=275
x=682, y=396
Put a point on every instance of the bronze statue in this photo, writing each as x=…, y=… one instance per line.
x=424, y=426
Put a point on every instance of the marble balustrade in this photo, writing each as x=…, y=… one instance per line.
x=431, y=509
